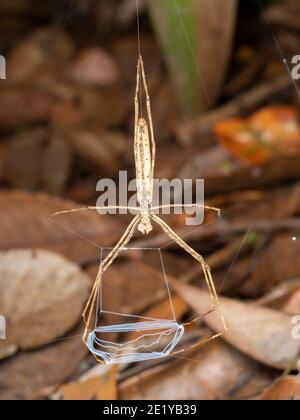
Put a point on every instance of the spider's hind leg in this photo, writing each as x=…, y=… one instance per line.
x=188, y=206
x=89, y=308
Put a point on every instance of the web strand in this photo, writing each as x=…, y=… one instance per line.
x=138, y=27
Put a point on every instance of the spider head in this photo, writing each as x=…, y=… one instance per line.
x=145, y=226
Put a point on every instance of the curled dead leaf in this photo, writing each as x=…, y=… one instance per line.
x=42, y=296
x=261, y=333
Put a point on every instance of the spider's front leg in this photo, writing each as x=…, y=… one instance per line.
x=127, y=236
x=205, y=267
x=187, y=206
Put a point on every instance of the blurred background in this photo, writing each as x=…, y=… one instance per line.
x=223, y=79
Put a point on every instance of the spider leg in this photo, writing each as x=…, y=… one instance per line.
x=137, y=110
x=127, y=236
x=193, y=205
x=60, y=213
x=208, y=279
x=130, y=231
x=149, y=112
x=198, y=344
x=205, y=267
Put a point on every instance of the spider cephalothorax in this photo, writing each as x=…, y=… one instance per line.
x=145, y=225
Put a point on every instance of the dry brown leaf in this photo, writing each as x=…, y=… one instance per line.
x=112, y=106
x=23, y=376
x=34, y=161
x=24, y=106
x=284, y=389
x=42, y=296
x=177, y=382
x=216, y=371
x=24, y=223
x=271, y=269
x=231, y=374
x=164, y=116
x=130, y=287
x=261, y=333
x=99, y=384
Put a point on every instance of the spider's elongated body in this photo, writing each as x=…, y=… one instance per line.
x=144, y=153
x=144, y=174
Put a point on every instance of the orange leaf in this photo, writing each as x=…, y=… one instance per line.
x=267, y=133
x=284, y=389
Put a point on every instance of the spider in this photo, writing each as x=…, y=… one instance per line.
x=144, y=155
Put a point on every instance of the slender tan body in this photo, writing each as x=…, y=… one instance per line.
x=144, y=174
x=144, y=151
